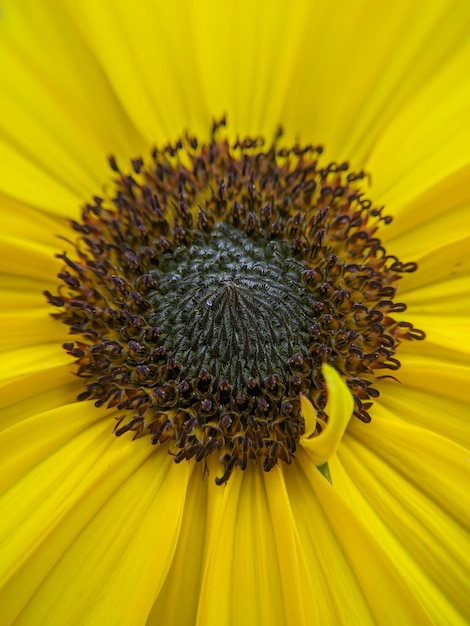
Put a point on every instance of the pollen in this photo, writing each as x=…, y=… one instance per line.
x=210, y=285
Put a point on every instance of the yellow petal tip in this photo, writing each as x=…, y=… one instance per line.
x=339, y=409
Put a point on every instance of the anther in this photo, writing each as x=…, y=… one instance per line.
x=213, y=282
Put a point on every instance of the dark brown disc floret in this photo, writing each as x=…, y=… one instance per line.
x=209, y=289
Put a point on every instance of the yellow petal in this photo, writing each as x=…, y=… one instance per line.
x=378, y=71
x=70, y=124
x=339, y=409
x=156, y=81
x=432, y=394
x=448, y=297
x=27, y=329
x=427, y=139
x=42, y=390
x=18, y=294
x=435, y=233
x=439, y=467
x=447, y=194
x=184, y=576
x=439, y=263
x=411, y=486
x=362, y=582
x=99, y=512
x=24, y=257
x=21, y=362
x=240, y=578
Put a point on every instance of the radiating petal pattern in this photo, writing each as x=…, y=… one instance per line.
x=96, y=529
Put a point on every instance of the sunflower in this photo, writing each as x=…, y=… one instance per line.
x=243, y=528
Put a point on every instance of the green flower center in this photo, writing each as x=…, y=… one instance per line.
x=210, y=287
x=233, y=305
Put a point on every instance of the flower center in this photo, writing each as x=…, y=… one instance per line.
x=233, y=305
x=212, y=285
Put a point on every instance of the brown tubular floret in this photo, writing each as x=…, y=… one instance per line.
x=269, y=194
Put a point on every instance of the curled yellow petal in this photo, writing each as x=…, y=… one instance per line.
x=339, y=409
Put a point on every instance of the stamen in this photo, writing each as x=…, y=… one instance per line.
x=212, y=287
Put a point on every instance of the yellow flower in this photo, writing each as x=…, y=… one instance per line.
x=97, y=529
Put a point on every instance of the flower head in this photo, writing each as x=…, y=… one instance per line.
x=234, y=302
